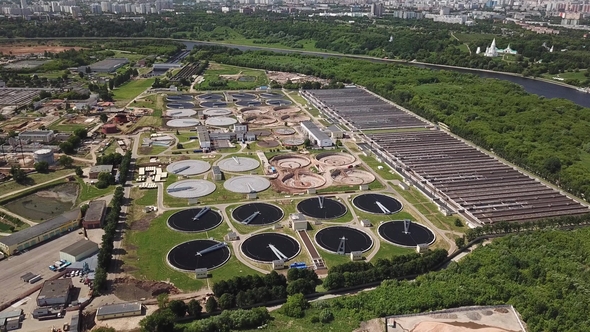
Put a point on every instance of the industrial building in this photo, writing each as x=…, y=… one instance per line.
x=204, y=139
x=105, y=66
x=10, y=320
x=95, y=170
x=55, y=292
x=317, y=136
x=39, y=233
x=118, y=311
x=217, y=174
x=44, y=136
x=95, y=214
x=78, y=251
x=109, y=128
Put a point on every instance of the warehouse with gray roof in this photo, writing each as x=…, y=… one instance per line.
x=78, y=251
x=39, y=233
x=119, y=310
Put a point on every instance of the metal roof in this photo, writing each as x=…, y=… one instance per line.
x=39, y=229
x=11, y=314
x=95, y=210
x=216, y=170
x=55, y=288
x=314, y=130
x=80, y=247
x=101, y=168
x=118, y=308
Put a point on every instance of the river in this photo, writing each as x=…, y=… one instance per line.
x=541, y=88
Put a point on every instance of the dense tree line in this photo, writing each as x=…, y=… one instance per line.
x=548, y=137
x=105, y=253
x=542, y=274
x=422, y=40
x=111, y=220
x=73, y=142
x=231, y=320
x=359, y=273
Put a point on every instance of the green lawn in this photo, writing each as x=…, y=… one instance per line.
x=35, y=179
x=67, y=127
x=148, y=197
x=568, y=75
x=385, y=172
x=147, y=251
x=125, y=93
x=252, y=78
x=89, y=191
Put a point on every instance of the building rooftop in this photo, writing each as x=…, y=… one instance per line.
x=11, y=314
x=42, y=228
x=314, y=130
x=55, y=288
x=100, y=169
x=95, y=210
x=79, y=247
x=118, y=308
x=36, y=132
x=216, y=170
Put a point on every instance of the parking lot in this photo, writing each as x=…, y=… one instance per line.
x=36, y=261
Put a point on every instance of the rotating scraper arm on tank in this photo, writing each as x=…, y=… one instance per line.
x=201, y=213
x=382, y=207
x=251, y=218
x=217, y=246
x=278, y=253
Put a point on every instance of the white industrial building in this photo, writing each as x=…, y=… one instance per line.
x=78, y=251
x=44, y=136
x=317, y=136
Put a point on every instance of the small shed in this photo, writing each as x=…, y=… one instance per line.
x=421, y=248
x=278, y=264
x=231, y=236
x=201, y=273
x=356, y=255
x=366, y=223
x=298, y=222
x=217, y=174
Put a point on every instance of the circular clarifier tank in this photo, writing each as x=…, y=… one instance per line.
x=405, y=233
x=377, y=203
x=331, y=238
x=197, y=254
x=194, y=220
x=268, y=247
x=321, y=208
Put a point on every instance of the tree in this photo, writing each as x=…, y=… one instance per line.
x=81, y=74
x=210, y=305
x=159, y=321
x=163, y=301
x=83, y=209
x=79, y=171
x=81, y=132
x=458, y=222
x=42, y=167
x=179, y=146
x=326, y=316
x=18, y=174
x=67, y=147
x=194, y=308
x=226, y=301
x=295, y=306
x=111, y=84
x=104, y=117
x=65, y=161
x=178, y=307
x=104, y=329
x=460, y=242
x=302, y=286
x=307, y=142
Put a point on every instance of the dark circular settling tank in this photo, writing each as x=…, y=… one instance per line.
x=377, y=203
x=268, y=247
x=321, y=208
x=405, y=233
x=257, y=214
x=194, y=220
x=188, y=256
x=330, y=239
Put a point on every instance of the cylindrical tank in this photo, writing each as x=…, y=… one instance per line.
x=44, y=155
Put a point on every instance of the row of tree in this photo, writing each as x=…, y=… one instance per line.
x=73, y=142
x=110, y=223
x=360, y=273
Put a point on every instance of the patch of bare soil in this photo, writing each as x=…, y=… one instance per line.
x=142, y=224
x=130, y=289
x=373, y=325
x=36, y=49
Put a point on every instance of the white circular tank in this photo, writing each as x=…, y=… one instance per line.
x=44, y=155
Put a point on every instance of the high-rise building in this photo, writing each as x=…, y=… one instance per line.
x=377, y=9
x=105, y=6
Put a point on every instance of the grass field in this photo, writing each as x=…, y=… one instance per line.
x=568, y=75
x=212, y=76
x=35, y=179
x=67, y=127
x=125, y=93
x=89, y=191
x=147, y=251
x=385, y=172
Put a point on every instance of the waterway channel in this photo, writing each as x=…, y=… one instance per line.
x=541, y=88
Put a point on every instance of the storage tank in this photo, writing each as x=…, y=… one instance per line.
x=44, y=155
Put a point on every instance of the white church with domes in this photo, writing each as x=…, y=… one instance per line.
x=493, y=51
